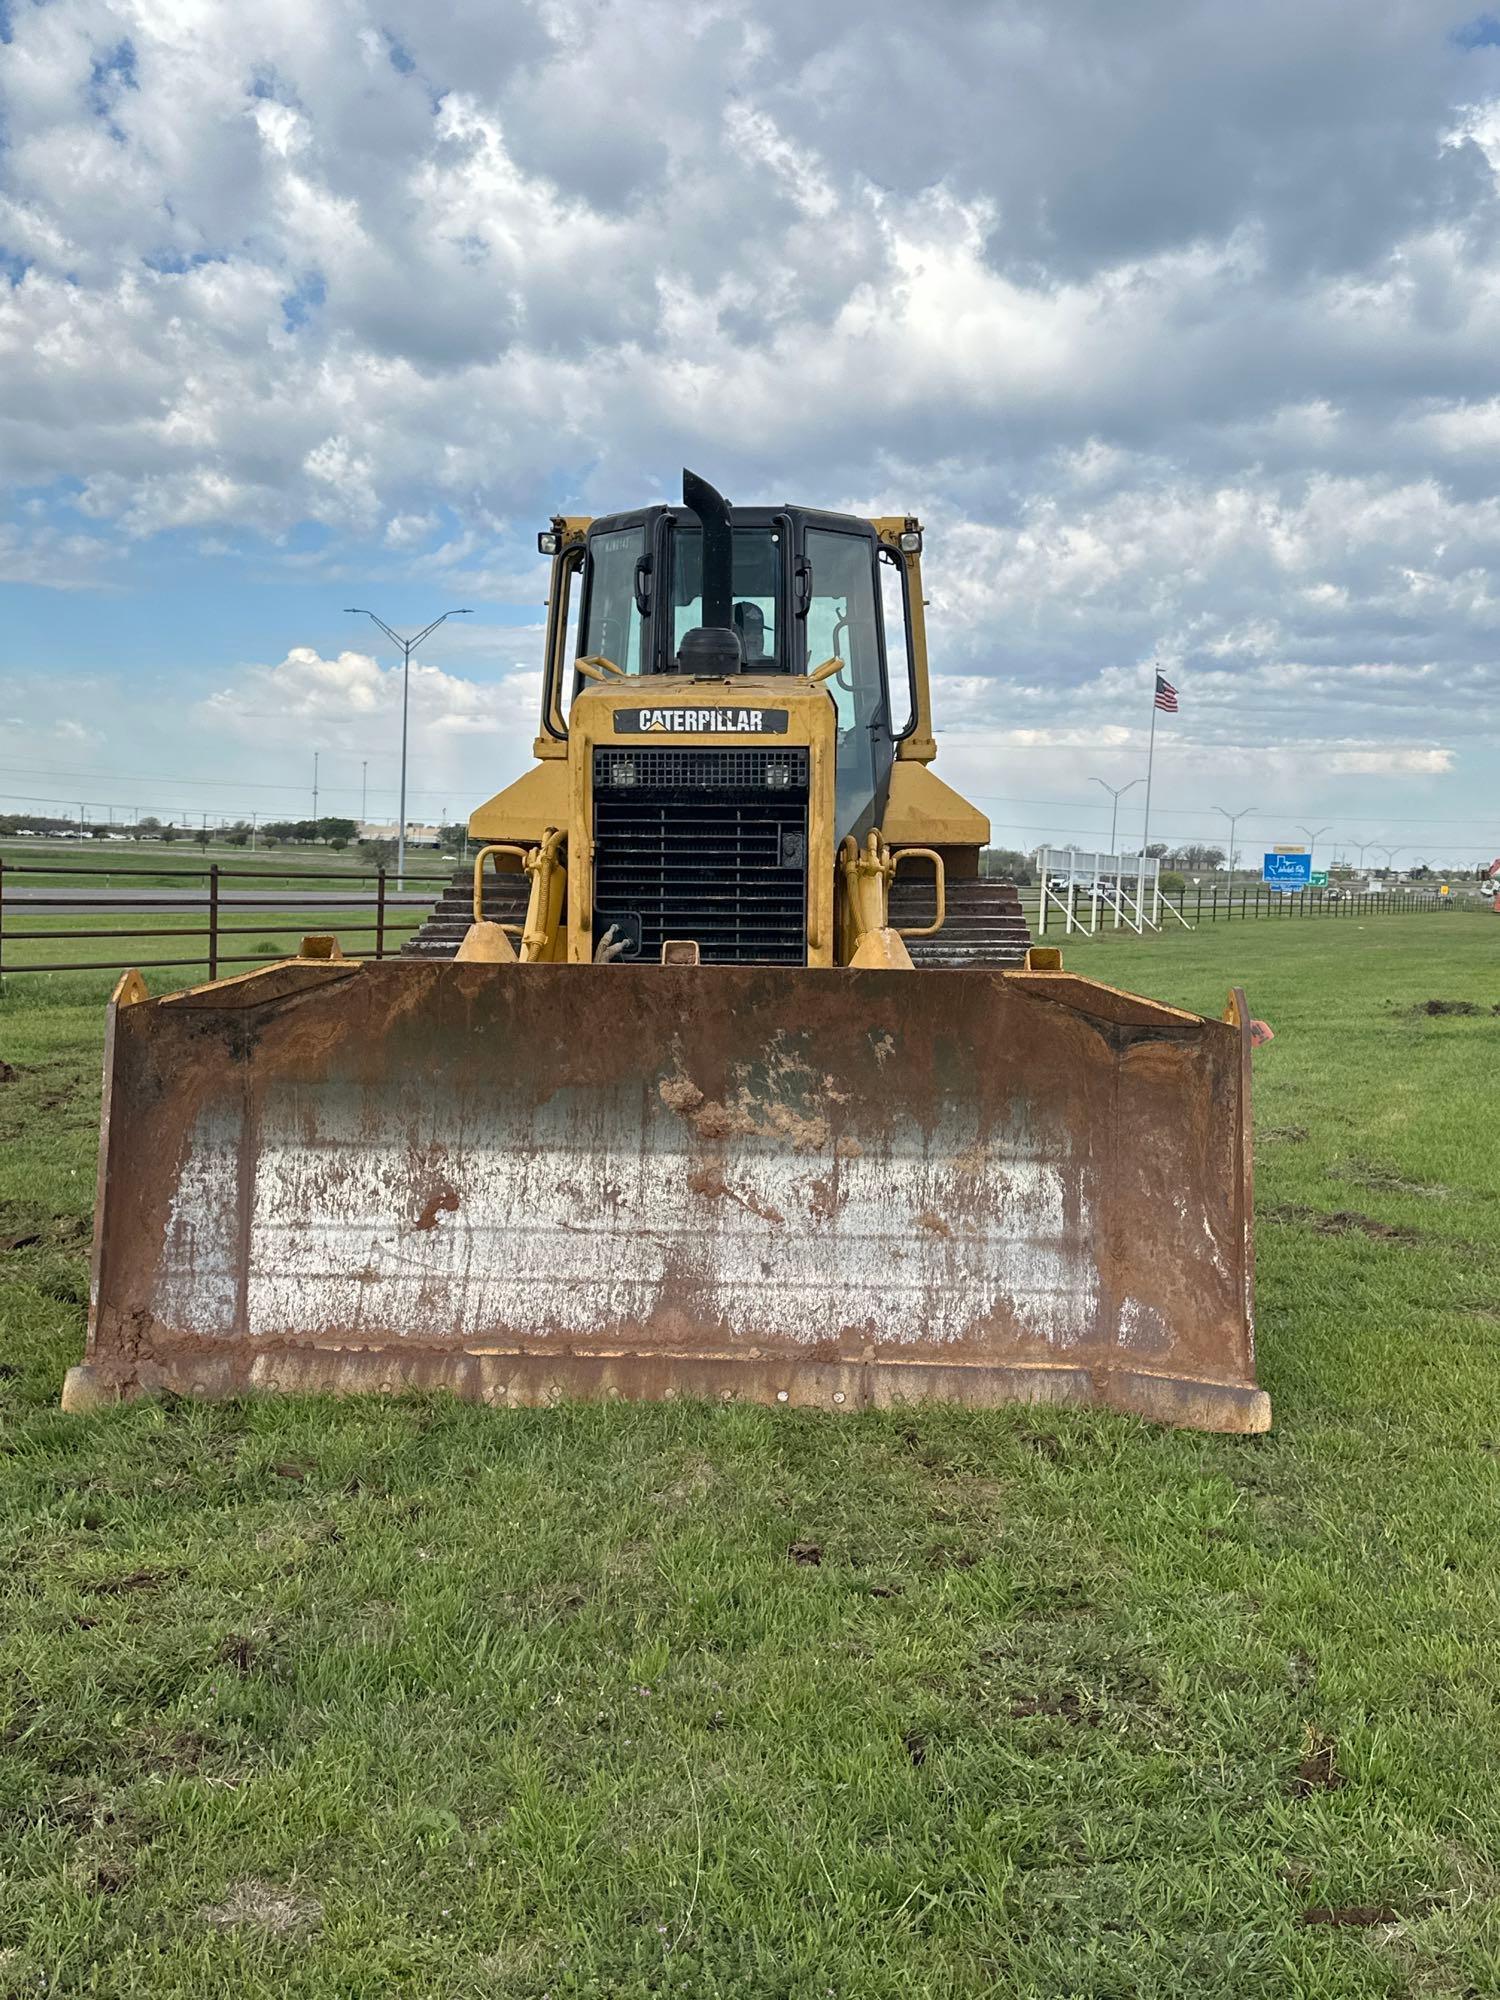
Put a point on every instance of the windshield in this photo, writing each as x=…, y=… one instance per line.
x=757, y=556
x=614, y=625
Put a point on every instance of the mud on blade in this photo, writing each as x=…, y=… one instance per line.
x=829, y=1188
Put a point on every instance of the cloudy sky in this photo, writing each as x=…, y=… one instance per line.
x=1178, y=323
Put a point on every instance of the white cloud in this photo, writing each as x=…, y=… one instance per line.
x=1179, y=329
x=462, y=731
x=305, y=687
x=404, y=531
x=43, y=555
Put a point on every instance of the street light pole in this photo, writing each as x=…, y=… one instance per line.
x=1234, y=819
x=408, y=647
x=315, y=794
x=1312, y=840
x=364, y=793
x=1117, y=792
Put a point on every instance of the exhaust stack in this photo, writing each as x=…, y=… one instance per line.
x=714, y=647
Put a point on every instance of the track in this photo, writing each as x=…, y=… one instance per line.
x=984, y=925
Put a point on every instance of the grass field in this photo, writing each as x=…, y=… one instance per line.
x=184, y=864
x=317, y=1700
x=119, y=932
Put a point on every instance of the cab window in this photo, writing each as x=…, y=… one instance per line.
x=899, y=664
x=842, y=624
x=563, y=646
x=612, y=626
x=757, y=556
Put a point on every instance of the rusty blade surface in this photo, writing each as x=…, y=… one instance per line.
x=829, y=1187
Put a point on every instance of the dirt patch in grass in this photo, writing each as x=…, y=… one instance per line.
x=1342, y=1222
x=18, y=1232
x=64, y=1086
x=1351, y=1916
x=807, y=1553
x=1438, y=1007
x=1284, y=1135
x=940, y=1556
x=165, y=1752
x=109, y=1878
x=86, y=1812
x=1388, y=1180
x=262, y=1906
x=1063, y=1707
x=1318, y=1769
x=1044, y=1444
x=238, y=1650
x=693, y=1485
x=133, y=1580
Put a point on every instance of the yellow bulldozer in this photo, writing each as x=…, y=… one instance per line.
x=728, y=1075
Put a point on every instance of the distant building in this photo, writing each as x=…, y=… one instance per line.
x=416, y=836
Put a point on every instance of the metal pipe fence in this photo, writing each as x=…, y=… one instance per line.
x=366, y=893
x=388, y=915
x=1272, y=903
x=1249, y=903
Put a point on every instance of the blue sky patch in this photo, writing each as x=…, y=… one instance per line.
x=110, y=74
x=1483, y=32
x=299, y=305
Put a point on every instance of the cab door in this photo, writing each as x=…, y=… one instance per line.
x=615, y=620
x=841, y=617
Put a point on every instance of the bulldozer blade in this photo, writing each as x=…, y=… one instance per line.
x=819, y=1188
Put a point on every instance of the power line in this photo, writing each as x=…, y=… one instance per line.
x=156, y=778
x=224, y=812
x=1199, y=812
x=1485, y=822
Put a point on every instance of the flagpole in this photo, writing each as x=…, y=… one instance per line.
x=1140, y=873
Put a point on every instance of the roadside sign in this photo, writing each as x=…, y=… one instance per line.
x=1289, y=850
x=1318, y=879
x=1287, y=871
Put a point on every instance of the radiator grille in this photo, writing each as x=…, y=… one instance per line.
x=707, y=844
x=701, y=770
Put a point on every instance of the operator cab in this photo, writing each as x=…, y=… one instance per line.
x=802, y=587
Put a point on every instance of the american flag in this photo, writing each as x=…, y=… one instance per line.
x=1166, y=695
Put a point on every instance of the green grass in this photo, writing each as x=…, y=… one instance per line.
x=247, y=934
x=332, y=1700
x=184, y=864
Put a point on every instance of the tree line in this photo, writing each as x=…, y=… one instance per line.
x=330, y=831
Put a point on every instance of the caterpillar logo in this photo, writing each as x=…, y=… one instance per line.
x=701, y=721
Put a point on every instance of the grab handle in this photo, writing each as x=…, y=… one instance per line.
x=496, y=847
x=940, y=882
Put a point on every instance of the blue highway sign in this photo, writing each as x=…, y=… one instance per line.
x=1287, y=871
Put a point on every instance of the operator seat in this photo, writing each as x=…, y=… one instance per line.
x=750, y=623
